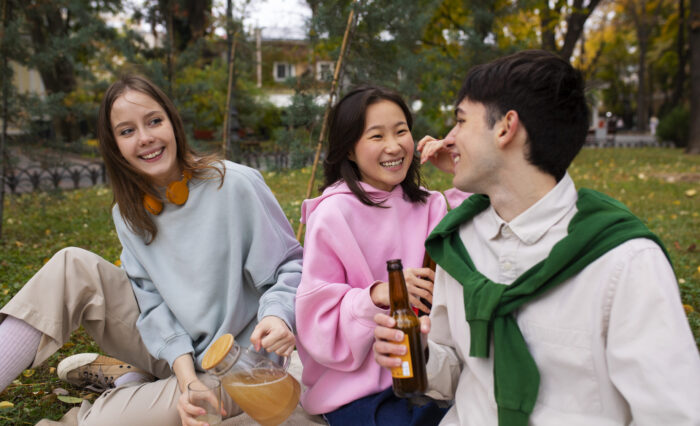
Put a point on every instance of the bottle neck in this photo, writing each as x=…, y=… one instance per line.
x=398, y=294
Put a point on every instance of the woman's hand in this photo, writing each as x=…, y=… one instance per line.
x=438, y=151
x=273, y=335
x=419, y=283
x=189, y=412
x=183, y=366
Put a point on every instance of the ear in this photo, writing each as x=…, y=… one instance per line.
x=351, y=156
x=508, y=128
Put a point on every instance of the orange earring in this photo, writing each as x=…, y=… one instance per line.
x=177, y=193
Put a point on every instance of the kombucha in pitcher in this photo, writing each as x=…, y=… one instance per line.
x=268, y=396
x=260, y=386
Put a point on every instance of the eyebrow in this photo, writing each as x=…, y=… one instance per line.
x=148, y=115
x=379, y=126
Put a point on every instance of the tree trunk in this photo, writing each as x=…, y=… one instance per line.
x=547, y=26
x=679, y=79
x=574, y=26
x=642, y=88
x=58, y=75
x=694, y=134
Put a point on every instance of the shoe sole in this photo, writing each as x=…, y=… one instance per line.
x=72, y=362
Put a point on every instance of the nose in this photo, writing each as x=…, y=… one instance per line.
x=392, y=146
x=145, y=136
x=451, y=138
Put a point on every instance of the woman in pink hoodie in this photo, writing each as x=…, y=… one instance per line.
x=372, y=209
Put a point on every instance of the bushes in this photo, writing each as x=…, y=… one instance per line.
x=675, y=126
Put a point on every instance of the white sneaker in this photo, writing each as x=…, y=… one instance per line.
x=95, y=372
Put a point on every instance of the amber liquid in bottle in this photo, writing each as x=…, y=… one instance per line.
x=428, y=262
x=409, y=379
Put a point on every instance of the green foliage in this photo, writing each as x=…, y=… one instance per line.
x=675, y=126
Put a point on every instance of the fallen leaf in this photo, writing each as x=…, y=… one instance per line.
x=60, y=391
x=6, y=404
x=688, y=309
x=70, y=399
x=28, y=373
x=691, y=248
x=690, y=193
x=52, y=370
x=677, y=246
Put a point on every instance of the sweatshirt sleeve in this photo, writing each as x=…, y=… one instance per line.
x=273, y=260
x=161, y=332
x=334, y=318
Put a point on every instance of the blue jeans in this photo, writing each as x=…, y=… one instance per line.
x=385, y=409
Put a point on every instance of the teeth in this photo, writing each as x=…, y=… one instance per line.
x=392, y=163
x=456, y=159
x=152, y=155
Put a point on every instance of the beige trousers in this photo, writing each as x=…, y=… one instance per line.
x=77, y=287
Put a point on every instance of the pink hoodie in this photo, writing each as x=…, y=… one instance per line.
x=346, y=248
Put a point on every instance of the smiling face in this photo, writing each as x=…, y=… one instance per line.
x=384, y=151
x=145, y=136
x=474, y=152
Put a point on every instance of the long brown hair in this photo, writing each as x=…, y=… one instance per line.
x=346, y=123
x=129, y=184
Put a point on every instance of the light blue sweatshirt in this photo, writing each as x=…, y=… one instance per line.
x=219, y=264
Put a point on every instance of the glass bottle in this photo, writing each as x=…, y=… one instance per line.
x=409, y=379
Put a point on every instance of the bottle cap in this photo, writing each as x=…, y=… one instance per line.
x=217, y=351
x=394, y=264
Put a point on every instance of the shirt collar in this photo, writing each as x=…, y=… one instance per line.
x=530, y=225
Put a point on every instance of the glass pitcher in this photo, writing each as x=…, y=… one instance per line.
x=261, y=387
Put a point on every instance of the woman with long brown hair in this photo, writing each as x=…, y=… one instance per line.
x=207, y=250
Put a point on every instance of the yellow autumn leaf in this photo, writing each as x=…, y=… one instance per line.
x=52, y=370
x=28, y=373
x=118, y=262
x=677, y=202
x=19, y=243
x=690, y=193
x=6, y=404
x=47, y=232
x=688, y=309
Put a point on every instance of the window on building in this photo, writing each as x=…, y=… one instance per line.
x=324, y=70
x=282, y=71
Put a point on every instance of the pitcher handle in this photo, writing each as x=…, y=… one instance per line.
x=285, y=360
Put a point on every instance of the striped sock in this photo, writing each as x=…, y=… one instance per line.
x=19, y=342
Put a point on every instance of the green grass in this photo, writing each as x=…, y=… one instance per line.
x=653, y=183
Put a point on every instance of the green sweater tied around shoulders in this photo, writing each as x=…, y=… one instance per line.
x=601, y=224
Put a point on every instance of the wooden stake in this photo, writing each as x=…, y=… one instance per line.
x=331, y=101
x=227, y=136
